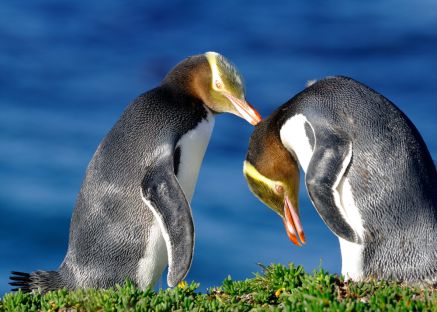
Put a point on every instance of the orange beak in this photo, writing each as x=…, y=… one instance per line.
x=245, y=110
x=292, y=223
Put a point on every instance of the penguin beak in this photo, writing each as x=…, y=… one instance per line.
x=245, y=110
x=292, y=223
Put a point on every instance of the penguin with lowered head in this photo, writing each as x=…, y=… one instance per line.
x=367, y=171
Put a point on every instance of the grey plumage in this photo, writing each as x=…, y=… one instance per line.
x=112, y=196
x=368, y=174
x=392, y=175
x=110, y=223
x=132, y=215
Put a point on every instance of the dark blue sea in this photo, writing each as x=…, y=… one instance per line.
x=69, y=68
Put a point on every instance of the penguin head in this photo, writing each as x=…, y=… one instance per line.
x=272, y=174
x=216, y=82
x=226, y=89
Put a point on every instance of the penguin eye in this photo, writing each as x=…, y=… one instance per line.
x=218, y=84
x=279, y=189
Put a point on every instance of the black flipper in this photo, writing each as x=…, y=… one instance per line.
x=162, y=193
x=330, y=159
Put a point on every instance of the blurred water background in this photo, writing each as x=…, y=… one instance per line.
x=69, y=68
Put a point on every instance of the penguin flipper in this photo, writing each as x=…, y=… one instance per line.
x=330, y=159
x=162, y=193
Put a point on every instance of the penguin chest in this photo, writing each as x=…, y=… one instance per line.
x=190, y=151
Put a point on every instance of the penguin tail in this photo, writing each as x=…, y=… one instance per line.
x=43, y=281
x=20, y=280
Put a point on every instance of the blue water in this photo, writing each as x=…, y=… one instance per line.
x=69, y=68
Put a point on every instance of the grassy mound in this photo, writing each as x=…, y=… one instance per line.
x=278, y=288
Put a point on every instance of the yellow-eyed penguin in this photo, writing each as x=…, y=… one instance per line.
x=367, y=171
x=132, y=216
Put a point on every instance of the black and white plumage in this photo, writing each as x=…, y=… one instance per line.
x=133, y=216
x=368, y=173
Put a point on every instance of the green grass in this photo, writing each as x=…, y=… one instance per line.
x=279, y=288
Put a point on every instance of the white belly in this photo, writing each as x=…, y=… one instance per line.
x=351, y=253
x=351, y=260
x=151, y=266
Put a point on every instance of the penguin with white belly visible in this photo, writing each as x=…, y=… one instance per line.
x=368, y=173
x=132, y=216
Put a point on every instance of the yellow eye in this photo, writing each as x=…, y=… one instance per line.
x=279, y=188
x=218, y=84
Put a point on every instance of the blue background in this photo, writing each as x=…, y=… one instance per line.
x=69, y=68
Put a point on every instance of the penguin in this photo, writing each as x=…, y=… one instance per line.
x=132, y=216
x=368, y=174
